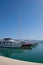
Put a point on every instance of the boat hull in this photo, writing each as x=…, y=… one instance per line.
x=11, y=45
x=26, y=45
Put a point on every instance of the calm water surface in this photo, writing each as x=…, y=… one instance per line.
x=32, y=54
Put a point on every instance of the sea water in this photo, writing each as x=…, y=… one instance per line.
x=32, y=53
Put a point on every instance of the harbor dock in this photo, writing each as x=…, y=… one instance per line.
x=9, y=61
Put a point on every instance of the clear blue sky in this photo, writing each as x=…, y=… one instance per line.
x=26, y=14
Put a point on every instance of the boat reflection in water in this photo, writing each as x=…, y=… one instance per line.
x=9, y=51
x=32, y=53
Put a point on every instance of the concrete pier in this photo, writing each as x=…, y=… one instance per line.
x=8, y=61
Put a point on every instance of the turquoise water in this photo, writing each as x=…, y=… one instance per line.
x=33, y=53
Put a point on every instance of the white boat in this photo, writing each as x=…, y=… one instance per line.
x=35, y=42
x=8, y=42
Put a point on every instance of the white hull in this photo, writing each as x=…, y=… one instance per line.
x=14, y=45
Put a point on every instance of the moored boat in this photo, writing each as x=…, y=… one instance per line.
x=26, y=43
x=11, y=43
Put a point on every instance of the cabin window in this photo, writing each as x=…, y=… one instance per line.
x=4, y=43
x=0, y=43
x=10, y=44
x=7, y=43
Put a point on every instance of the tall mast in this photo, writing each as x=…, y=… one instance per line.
x=19, y=25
